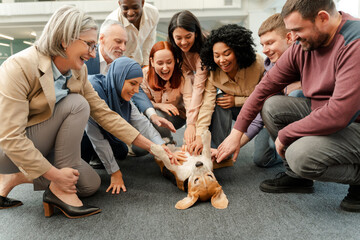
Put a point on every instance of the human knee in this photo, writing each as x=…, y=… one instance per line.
x=270, y=105
x=260, y=161
x=79, y=105
x=303, y=162
x=264, y=162
x=89, y=185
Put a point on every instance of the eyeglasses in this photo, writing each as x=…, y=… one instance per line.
x=92, y=45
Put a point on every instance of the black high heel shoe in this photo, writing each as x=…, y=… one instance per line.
x=50, y=201
x=6, y=202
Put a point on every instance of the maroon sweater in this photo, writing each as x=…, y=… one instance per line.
x=330, y=77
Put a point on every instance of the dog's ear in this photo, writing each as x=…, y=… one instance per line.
x=187, y=202
x=219, y=199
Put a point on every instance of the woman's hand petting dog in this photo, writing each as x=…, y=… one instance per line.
x=180, y=157
x=176, y=158
x=196, y=147
x=190, y=135
x=116, y=183
x=213, y=151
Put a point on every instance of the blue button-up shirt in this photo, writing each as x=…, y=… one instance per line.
x=60, y=80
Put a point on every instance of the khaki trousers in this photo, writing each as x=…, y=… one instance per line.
x=58, y=139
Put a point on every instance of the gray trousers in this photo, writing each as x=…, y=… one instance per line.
x=330, y=158
x=58, y=139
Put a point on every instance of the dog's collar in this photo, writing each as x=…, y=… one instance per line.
x=186, y=185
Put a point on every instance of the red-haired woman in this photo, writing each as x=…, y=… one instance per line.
x=166, y=88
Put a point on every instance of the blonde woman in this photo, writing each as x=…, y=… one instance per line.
x=45, y=103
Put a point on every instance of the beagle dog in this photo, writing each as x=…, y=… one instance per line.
x=195, y=175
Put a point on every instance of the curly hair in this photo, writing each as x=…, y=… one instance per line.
x=154, y=80
x=238, y=38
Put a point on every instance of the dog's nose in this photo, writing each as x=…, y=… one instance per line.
x=199, y=164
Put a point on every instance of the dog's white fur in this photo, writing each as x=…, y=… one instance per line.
x=198, y=170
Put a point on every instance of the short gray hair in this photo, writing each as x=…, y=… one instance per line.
x=65, y=25
x=107, y=24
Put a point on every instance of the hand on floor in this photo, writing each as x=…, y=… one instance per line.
x=117, y=183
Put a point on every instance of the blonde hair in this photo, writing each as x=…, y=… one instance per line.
x=273, y=23
x=64, y=26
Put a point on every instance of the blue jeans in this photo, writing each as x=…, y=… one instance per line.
x=331, y=158
x=265, y=154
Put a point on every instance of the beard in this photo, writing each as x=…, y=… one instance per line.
x=314, y=42
x=113, y=54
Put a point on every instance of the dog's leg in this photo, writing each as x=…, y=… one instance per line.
x=160, y=155
x=206, y=140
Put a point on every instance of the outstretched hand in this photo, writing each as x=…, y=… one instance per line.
x=116, y=183
x=180, y=157
x=214, y=152
x=230, y=145
x=170, y=155
x=190, y=134
x=162, y=122
x=196, y=147
x=168, y=108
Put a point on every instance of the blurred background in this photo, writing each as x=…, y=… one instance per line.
x=21, y=21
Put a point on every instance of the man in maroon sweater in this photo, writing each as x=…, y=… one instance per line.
x=318, y=136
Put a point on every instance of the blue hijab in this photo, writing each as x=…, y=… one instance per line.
x=109, y=87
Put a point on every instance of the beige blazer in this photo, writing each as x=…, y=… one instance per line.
x=27, y=97
x=241, y=87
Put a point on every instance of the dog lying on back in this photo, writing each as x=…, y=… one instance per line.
x=195, y=174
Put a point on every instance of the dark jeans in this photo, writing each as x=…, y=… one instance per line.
x=221, y=123
x=177, y=121
x=118, y=147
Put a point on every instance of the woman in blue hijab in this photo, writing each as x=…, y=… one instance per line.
x=116, y=89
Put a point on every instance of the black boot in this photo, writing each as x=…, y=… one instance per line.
x=351, y=202
x=283, y=183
